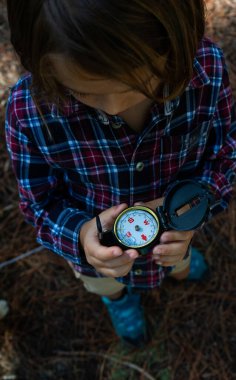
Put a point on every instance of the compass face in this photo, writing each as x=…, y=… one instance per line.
x=136, y=227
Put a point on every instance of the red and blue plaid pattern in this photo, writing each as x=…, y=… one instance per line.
x=85, y=161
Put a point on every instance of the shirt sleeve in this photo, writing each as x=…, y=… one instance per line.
x=43, y=198
x=218, y=169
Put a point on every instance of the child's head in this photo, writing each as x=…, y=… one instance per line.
x=125, y=42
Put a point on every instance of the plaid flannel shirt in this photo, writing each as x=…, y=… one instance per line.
x=86, y=161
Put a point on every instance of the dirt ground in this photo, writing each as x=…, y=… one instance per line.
x=57, y=331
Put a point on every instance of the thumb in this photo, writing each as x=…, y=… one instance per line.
x=139, y=204
x=109, y=216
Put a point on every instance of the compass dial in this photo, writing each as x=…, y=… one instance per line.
x=136, y=227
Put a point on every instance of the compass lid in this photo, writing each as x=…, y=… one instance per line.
x=186, y=205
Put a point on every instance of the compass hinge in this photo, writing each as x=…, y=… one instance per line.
x=162, y=216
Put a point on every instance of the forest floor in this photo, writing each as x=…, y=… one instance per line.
x=56, y=331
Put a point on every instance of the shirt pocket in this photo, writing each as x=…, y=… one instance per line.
x=93, y=167
x=183, y=151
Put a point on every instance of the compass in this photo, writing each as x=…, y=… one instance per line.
x=136, y=227
x=186, y=206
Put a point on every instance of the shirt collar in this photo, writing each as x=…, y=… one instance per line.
x=169, y=105
x=69, y=107
x=200, y=77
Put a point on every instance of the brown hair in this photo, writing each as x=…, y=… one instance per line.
x=108, y=38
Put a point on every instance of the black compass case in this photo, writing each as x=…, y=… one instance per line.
x=186, y=206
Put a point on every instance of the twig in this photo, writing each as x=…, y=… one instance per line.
x=111, y=358
x=20, y=257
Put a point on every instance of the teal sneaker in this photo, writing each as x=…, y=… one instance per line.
x=128, y=318
x=198, y=266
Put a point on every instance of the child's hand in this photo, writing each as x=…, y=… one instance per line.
x=173, y=244
x=172, y=248
x=110, y=261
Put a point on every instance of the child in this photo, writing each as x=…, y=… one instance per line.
x=121, y=99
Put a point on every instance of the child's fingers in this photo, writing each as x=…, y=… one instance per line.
x=172, y=257
x=120, y=271
x=109, y=216
x=170, y=254
x=114, y=267
x=151, y=204
x=171, y=249
x=167, y=260
x=124, y=259
x=97, y=254
x=171, y=236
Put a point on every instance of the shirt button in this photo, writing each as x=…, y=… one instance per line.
x=138, y=272
x=116, y=125
x=140, y=166
x=103, y=118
